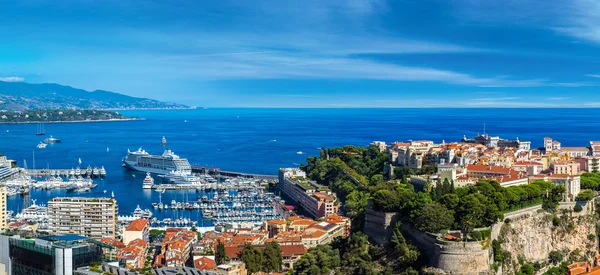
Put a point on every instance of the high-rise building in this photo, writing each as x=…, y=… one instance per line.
x=3, y=208
x=90, y=217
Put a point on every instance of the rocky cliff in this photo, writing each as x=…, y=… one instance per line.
x=531, y=237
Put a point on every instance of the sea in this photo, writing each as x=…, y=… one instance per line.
x=254, y=140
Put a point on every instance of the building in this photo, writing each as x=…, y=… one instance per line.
x=321, y=233
x=570, y=182
x=291, y=254
x=91, y=217
x=205, y=263
x=576, y=152
x=505, y=176
x=3, y=217
x=176, y=248
x=585, y=268
x=48, y=255
x=589, y=163
x=566, y=167
x=137, y=229
x=317, y=200
x=274, y=227
x=380, y=145
x=529, y=167
x=110, y=248
x=134, y=254
x=232, y=268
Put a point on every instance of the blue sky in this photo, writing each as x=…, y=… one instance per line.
x=463, y=53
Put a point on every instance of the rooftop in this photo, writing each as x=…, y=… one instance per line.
x=137, y=225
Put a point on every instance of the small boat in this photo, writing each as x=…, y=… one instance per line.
x=107, y=149
x=163, y=141
x=42, y=145
x=299, y=152
x=102, y=171
x=96, y=171
x=52, y=139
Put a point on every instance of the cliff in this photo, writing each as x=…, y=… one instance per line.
x=532, y=235
x=529, y=236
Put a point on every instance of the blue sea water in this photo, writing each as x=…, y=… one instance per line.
x=263, y=140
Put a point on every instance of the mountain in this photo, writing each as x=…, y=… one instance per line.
x=18, y=96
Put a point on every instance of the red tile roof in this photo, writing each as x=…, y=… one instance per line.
x=205, y=263
x=137, y=225
x=292, y=250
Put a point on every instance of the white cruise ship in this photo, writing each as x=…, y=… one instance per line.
x=141, y=160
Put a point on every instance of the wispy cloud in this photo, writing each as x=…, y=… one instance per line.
x=559, y=98
x=593, y=75
x=12, y=79
x=489, y=99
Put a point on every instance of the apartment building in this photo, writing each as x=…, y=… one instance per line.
x=317, y=200
x=91, y=217
x=137, y=229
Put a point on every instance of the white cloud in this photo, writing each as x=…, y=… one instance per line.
x=559, y=98
x=12, y=79
x=593, y=75
x=496, y=99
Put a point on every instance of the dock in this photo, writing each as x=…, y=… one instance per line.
x=217, y=173
x=66, y=173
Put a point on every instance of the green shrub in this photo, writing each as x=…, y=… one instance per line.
x=577, y=208
x=555, y=220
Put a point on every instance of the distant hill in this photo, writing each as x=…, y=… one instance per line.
x=17, y=96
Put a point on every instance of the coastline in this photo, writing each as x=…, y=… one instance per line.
x=75, y=121
x=148, y=109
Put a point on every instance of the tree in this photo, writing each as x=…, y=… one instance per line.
x=319, y=260
x=527, y=269
x=252, y=258
x=585, y=195
x=272, y=257
x=433, y=218
x=555, y=257
x=220, y=255
x=407, y=253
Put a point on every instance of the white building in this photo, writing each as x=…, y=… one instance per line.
x=90, y=217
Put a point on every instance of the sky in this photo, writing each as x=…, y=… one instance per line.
x=312, y=53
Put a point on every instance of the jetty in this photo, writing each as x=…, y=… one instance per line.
x=88, y=172
x=217, y=173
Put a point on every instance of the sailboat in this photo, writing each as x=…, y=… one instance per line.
x=79, y=161
x=40, y=130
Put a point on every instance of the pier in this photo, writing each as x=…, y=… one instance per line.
x=91, y=173
x=217, y=173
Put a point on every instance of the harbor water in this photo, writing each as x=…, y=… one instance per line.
x=260, y=141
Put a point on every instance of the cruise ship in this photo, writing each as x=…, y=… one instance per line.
x=141, y=160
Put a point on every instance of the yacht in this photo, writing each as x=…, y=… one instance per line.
x=52, y=139
x=102, y=171
x=177, y=177
x=141, y=160
x=42, y=145
x=148, y=181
